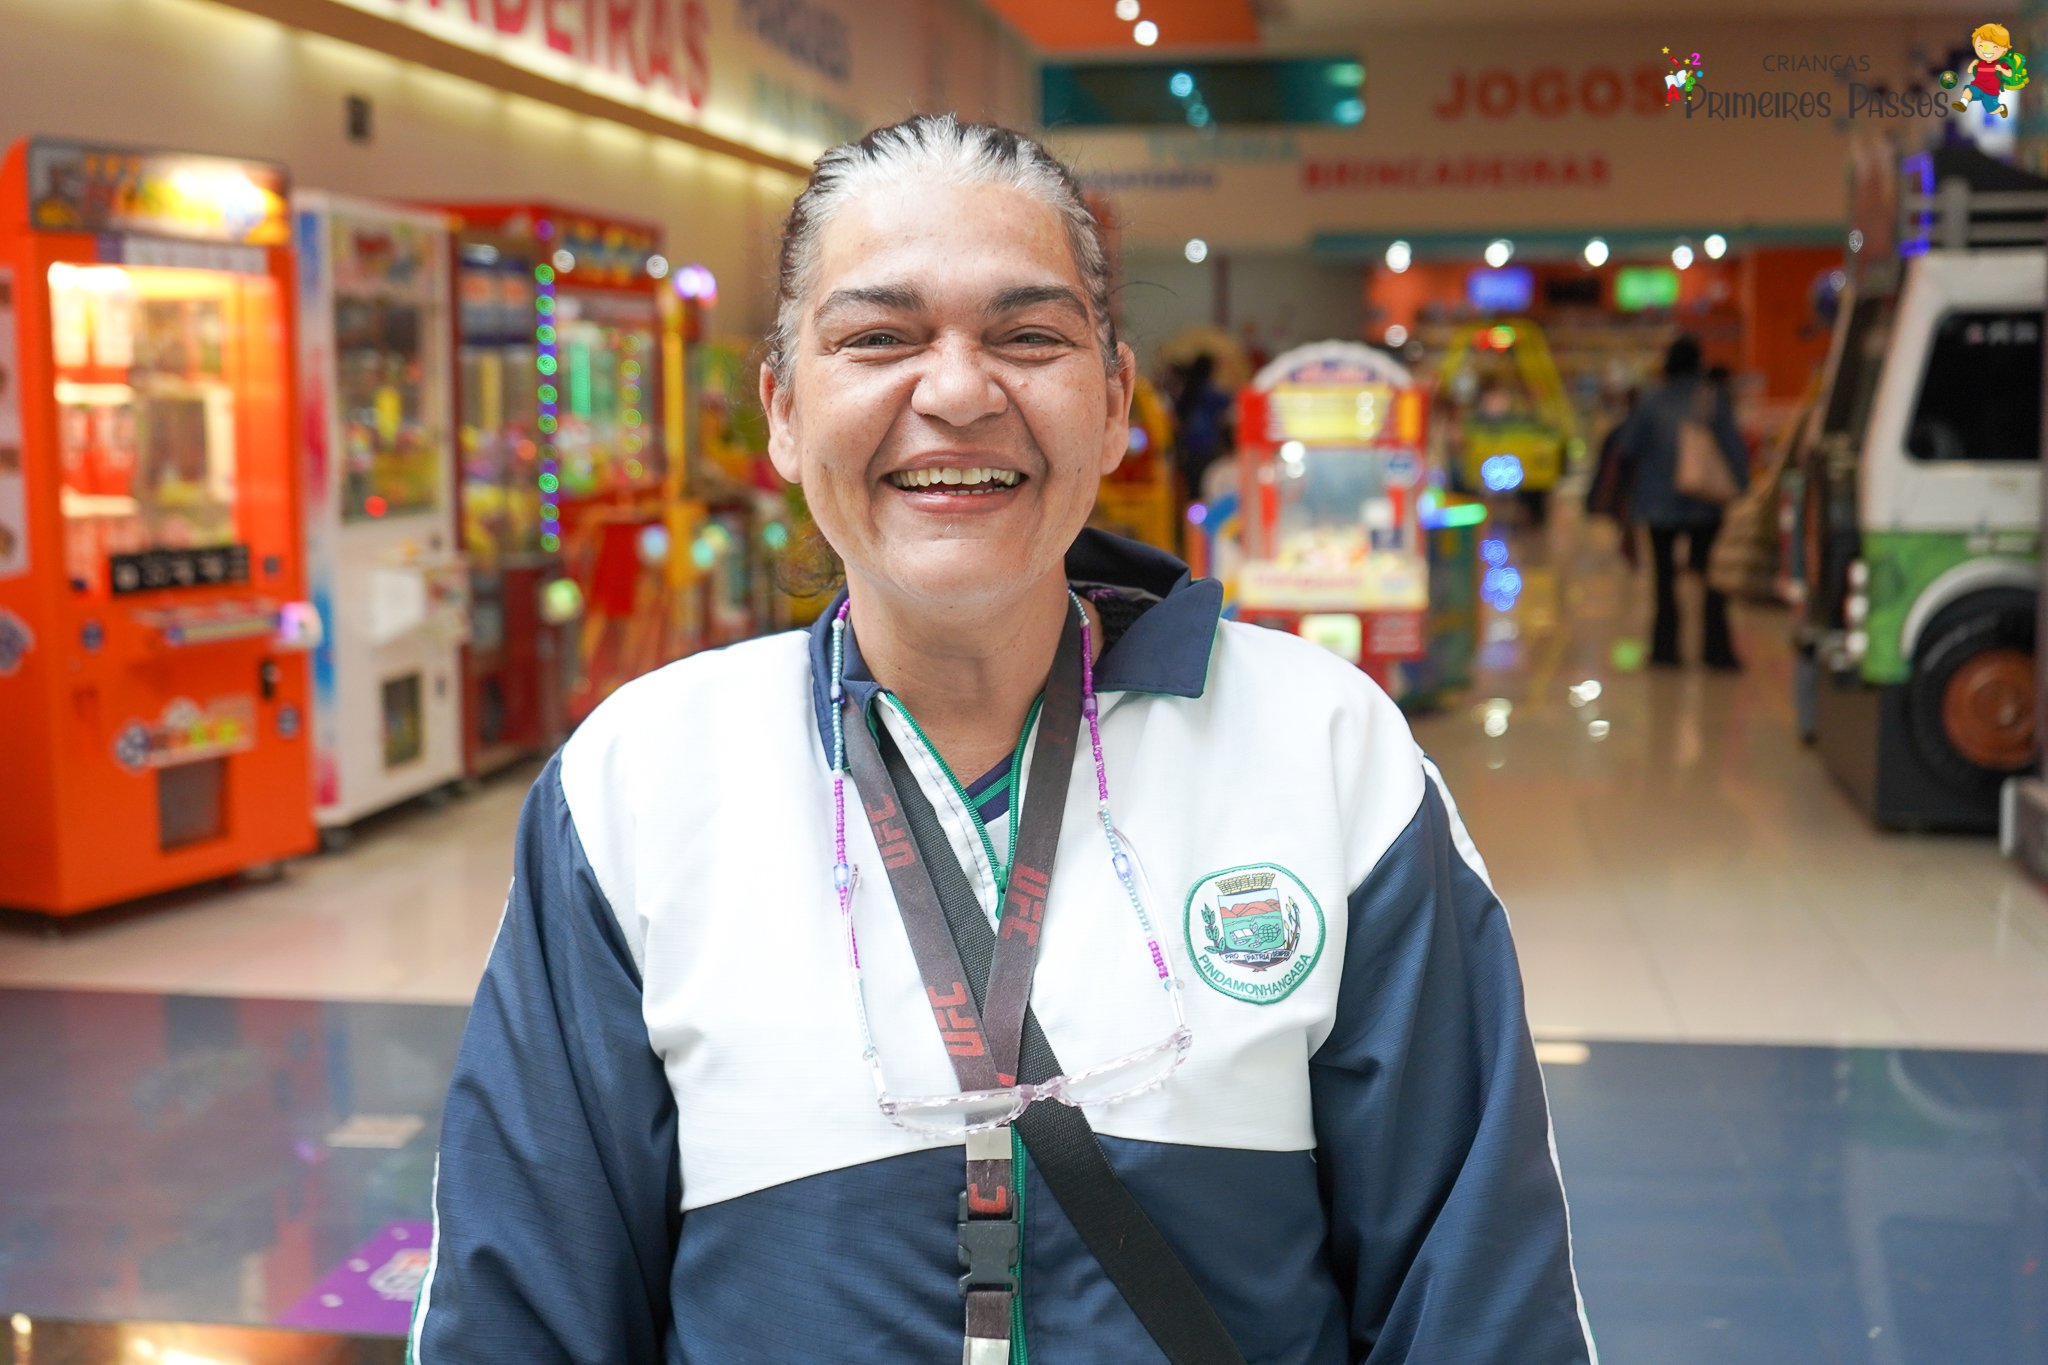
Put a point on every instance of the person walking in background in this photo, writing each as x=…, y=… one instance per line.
x=1648, y=442
x=1608, y=494
x=1202, y=419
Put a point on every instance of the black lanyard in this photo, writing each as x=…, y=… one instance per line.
x=983, y=1044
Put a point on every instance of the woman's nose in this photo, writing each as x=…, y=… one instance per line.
x=957, y=385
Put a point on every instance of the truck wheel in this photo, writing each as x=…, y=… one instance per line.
x=1972, y=695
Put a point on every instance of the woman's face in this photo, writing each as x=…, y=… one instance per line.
x=947, y=410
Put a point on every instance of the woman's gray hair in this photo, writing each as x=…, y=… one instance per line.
x=933, y=148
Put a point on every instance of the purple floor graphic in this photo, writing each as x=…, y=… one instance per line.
x=372, y=1291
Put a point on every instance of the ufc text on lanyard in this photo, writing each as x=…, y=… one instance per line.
x=984, y=1047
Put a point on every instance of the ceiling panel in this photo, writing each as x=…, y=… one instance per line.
x=1068, y=26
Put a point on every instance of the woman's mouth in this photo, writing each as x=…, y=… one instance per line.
x=956, y=482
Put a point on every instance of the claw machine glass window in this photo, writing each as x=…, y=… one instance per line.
x=500, y=495
x=610, y=393
x=146, y=405
x=390, y=457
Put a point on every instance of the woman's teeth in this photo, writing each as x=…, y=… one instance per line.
x=965, y=480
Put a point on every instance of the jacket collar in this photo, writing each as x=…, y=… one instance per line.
x=1165, y=652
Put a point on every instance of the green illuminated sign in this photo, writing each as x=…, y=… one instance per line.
x=1643, y=286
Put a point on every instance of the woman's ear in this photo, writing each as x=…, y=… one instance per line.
x=778, y=407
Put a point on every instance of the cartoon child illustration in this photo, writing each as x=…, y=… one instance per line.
x=1997, y=69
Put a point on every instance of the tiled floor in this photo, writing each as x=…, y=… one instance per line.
x=221, y=1108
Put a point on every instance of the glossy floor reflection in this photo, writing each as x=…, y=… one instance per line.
x=53, y=1341
x=1679, y=866
x=265, y=1163
x=201, y=1159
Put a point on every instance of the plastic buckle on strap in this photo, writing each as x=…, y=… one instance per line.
x=988, y=1251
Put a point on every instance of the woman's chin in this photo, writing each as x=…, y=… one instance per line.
x=955, y=573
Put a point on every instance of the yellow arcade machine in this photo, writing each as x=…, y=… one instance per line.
x=1515, y=433
x=1140, y=498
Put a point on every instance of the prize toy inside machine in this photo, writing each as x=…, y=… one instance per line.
x=1331, y=462
x=383, y=556
x=152, y=630
x=1140, y=498
x=1513, y=431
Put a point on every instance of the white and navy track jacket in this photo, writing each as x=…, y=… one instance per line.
x=662, y=1143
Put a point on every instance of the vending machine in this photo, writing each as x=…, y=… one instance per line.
x=153, y=626
x=383, y=557
x=1331, y=468
x=566, y=458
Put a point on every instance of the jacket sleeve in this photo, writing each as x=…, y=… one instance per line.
x=557, y=1194
x=1448, y=1229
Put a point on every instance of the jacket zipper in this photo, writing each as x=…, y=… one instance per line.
x=1019, y=1353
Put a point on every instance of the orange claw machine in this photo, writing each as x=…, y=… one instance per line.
x=1331, y=456
x=565, y=351
x=152, y=627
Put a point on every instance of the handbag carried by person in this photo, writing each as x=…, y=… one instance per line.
x=1744, y=561
x=1703, y=472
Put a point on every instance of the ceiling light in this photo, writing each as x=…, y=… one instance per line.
x=1196, y=250
x=1498, y=251
x=1399, y=257
x=1182, y=85
x=1127, y=10
x=1717, y=246
x=1681, y=256
x=1596, y=253
x=1146, y=32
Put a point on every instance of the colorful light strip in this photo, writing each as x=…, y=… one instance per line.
x=630, y=374
x=546, y=362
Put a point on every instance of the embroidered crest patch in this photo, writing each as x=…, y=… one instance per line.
x=1254, y=932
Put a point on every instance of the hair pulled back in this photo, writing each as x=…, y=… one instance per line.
x=929, y=149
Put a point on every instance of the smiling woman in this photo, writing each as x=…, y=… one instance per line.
x=740, y=1051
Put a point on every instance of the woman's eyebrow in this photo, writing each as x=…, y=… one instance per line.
x=1031, y=295
x=900, y=298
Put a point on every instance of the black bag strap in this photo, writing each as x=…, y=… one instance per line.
x=1125, y=1242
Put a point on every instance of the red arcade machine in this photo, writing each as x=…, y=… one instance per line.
x=151, y=623
x=564, y=458
x=1331, y=454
